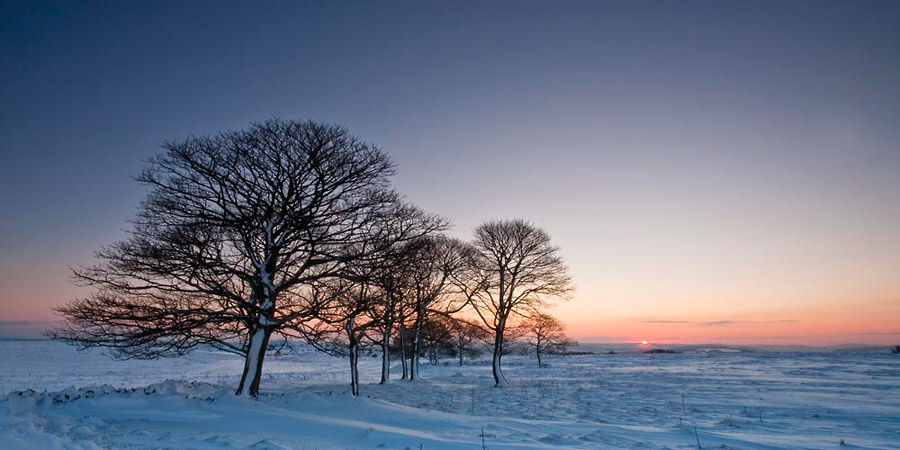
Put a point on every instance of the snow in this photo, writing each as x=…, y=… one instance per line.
x=625, y=400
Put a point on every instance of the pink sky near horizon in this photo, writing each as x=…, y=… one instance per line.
x=873, y=322
x=811, y=331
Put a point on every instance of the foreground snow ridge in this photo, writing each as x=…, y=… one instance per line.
x=178, y=414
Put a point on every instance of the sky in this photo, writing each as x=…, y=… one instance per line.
x=722, y=172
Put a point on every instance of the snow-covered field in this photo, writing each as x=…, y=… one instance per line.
x=626, y=400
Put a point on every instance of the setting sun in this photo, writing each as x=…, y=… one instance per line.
x=644, y=343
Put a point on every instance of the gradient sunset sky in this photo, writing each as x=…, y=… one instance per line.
x=712, y=171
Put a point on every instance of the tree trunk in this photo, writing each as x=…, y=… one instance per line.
x=414, y=366
x=403, y=353
x=354, y=368
x=386, y=356
x=499, y=380
x=459, y=347
x=259, y=341
x=540, y=364
x=353, y=345
x=537, y=349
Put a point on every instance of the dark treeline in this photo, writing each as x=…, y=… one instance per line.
x=291, y=230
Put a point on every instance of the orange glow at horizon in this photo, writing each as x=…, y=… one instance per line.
x=863, y=323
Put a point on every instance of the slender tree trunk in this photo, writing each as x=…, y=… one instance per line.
x=499, y=380
x=354, y=357
x=417, y=330
x=354, y=368
x=259, y=341
x=388, y=321
x=403, y=352
x=459, y=347
x=537, y=349
x=386, y=356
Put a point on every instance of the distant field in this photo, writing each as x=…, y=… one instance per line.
x=623, y=400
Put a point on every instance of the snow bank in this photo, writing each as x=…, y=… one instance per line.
x=39, y=420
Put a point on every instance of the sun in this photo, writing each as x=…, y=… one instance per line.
x=644, y=343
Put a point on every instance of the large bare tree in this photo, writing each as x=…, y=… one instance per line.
x=233, y=231
x=523, y=271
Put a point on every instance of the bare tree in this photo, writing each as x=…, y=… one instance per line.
x=437, y=337
x=435, y=261
x=391, y=278
x=469, y=338
x=545, y=334
x=233, y=232
x=523, y=271
x=367, y=295
x=342, y=325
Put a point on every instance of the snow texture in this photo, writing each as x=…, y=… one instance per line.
x=734, y=399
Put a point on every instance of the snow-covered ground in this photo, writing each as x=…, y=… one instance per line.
x=627, y=400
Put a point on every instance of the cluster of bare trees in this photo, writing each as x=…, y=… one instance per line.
x=392, y=297
x=292, y=230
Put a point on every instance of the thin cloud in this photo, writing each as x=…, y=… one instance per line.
x=717, y=323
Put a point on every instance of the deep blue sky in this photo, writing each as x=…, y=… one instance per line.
x=704, y=160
